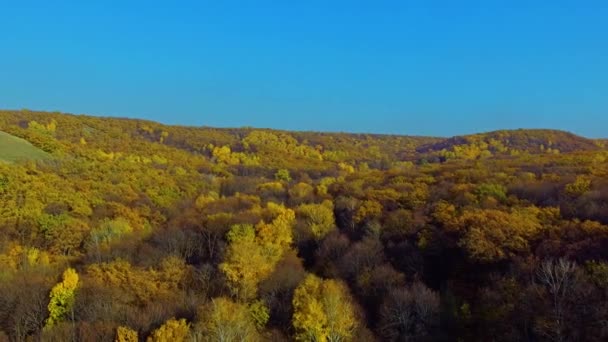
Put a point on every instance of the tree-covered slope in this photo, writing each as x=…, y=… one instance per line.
x=236, y=146
x=510, y=142
x=134, y=230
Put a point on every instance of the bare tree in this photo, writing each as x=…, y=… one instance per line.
x=559, y=278
x=409, y=314
x=23, y=307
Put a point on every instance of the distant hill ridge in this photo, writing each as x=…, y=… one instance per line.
x=509, y=141
x=33, y=133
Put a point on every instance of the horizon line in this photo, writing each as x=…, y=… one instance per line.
x=182, y=125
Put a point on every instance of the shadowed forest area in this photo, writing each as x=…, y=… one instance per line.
x=129, y=230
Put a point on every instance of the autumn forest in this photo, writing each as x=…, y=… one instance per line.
x=130, y=230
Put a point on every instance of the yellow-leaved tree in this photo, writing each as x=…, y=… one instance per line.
x=62, y=297
x=254, y=251
x=225, y=320
x=245, y=263
x=492, y=235
x=323, y=311
x=125, y=334
x=319, y=218
x=172, y=331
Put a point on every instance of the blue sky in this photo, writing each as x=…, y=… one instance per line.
x=406, y=67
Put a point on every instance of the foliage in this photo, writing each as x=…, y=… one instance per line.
x=282, y=175
x=319, y=218
x=323, y=311
x=226, y=320
x=124, y=334
x=255, y=250
x=581, y=185
x=62, y=297
x=495, y=191
x=173, y=330
x=256, y=234
x=491, y=235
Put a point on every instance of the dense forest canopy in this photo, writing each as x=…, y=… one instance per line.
x=127, y=230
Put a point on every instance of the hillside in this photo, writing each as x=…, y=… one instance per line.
x=510, y=142
x=135, y=229
x=234, y=146
x=14, y=149
x=304, y=149
x=602, y=142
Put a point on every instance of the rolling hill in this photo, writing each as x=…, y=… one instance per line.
x=510, y=142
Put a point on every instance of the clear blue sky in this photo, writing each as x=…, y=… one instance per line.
x=408, y=67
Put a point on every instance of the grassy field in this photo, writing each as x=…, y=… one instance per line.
x=13, y=149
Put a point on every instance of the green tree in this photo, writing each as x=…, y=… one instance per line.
x=496, y=191
x=283, y=175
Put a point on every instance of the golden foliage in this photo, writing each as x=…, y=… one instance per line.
x=323, y=311
x=172, y=331
x=62, y=297
x=141, y=286
x=254, y=251
x=492, y=235
x=319, y=218
x=125, y=334
x=225, y=320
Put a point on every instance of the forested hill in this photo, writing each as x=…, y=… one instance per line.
x=242, y=146
x=267, y=144
x=510, y=142
x=122, y=229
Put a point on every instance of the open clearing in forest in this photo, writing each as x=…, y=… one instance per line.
x=13, y=149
